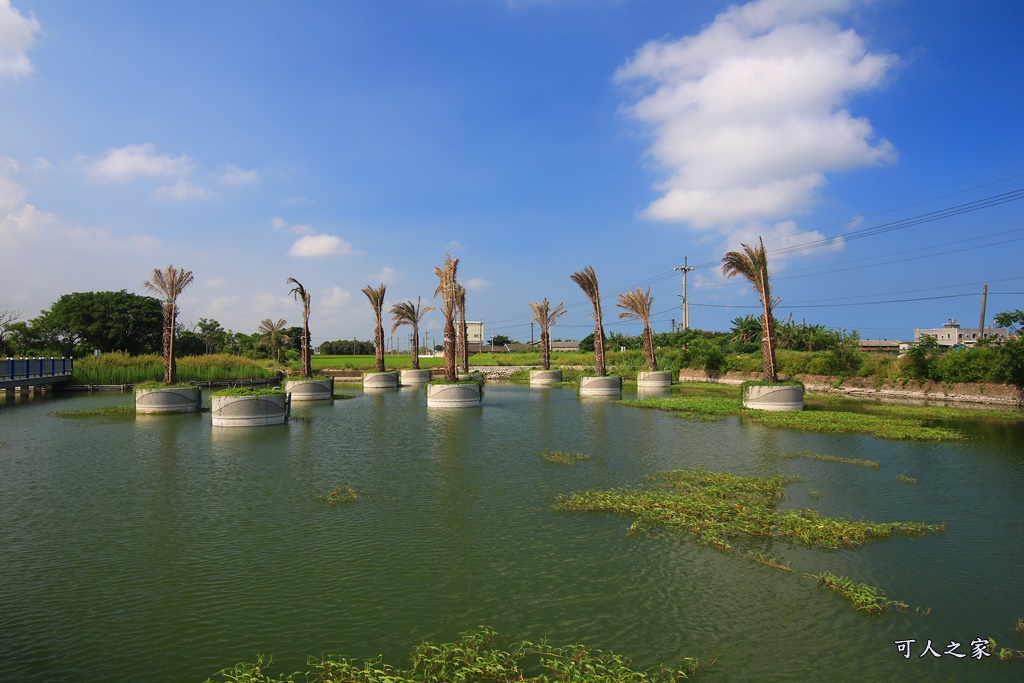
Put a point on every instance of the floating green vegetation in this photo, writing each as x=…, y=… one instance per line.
x=564, y=457
x=904, y=479
x=811, y=493
x=1020, y=627
x=870, y=464
x=477, y=655
x=344, y=397
x=721, y=508
x=1004, y=654
x=887, y=427
x=102, y=411
x=339, y=495
x=865, y=598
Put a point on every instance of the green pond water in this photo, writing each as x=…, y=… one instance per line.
x=159, y=548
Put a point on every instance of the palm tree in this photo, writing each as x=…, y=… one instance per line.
x=463, y=344
x=376, y=297
x=446, y=287
x=300, y=294
x=272, y=334
x=745, y=329
x=637, y=306
x=752, y=264
x=587, y=280
x=407, y=314
x=169, y=284
x=545, y=317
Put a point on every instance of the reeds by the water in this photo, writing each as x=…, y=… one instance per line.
x=122, y=368
x=870, y=464
x=564, y=457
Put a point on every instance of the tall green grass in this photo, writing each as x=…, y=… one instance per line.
x=121, y=368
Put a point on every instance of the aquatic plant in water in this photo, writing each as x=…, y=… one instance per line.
x=340, y=494
x=564, y=457
x=478, y=655
x=870, y=464
x=865, y=598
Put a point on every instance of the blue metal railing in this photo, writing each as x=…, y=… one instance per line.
x=29, y=368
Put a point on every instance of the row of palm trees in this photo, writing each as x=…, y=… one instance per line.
x=751, y=264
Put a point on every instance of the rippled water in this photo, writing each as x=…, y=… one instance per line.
x=163, y=549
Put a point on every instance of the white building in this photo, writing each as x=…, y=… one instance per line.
x=952, y=334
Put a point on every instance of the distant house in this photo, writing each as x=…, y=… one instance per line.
x=951, y=334
x=880, y=345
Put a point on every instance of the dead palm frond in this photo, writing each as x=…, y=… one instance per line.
x=752, y=265
x=406, y=313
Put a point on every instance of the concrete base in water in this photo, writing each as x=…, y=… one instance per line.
x=455, y=395
x=609, y=385
x=310, y=389
x=249, y=411
x=168, y=400
x=542, y=377
x=419, y=376
x=774, y=397
x=656, y=378
x=380, y=380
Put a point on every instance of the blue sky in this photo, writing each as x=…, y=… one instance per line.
x=351, y=143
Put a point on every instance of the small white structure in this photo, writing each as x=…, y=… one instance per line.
x=655, y=378
x=774, y=397
x=609, y=385
x=418, y=376
x=310, y=389
x=461, y=395
x=380, y=380
x=542, y=377
x=255, y=410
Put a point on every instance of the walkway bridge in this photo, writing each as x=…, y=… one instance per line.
x=25, y=373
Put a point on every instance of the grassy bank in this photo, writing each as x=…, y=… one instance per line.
x=121, y=368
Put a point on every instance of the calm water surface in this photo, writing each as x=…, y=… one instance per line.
x=161, y=548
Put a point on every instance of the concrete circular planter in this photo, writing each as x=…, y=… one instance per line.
x=774, y=397
x=249, y=411
x=542, y=377
x=608, y=385
x=168, y=400
x=656, y=378
x=310, y=389
x=380, y=380
x=469, y=395
x=407, y=377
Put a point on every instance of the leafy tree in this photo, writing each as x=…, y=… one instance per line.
x=300, y=294
x=844, y=358
x=375, y=295
x=587, y=281
x=213, y=335
x=1012, y=320
x=273, y=336
x=189, y=343
x=752, y=264
x=447, y=287
x=746, y=329
x=636, y=305
x=169, y=284
x=7, y=318
x=405, y=313
x=107, y=321
x=1009, y=365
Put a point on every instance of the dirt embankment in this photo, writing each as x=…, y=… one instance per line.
x=868, y=387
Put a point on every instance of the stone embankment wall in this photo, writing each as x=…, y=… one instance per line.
x=867, y=387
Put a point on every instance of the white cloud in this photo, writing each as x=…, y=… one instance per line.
x=215, y=282
x=123, y=164
x=235, y=176
x=453, y=246
x=315, y=246
x=17, y=36
x=181, y=191
x=335, y=297
x=748, y=115
x=279, y=224
x=476, y=283
x=386, y=275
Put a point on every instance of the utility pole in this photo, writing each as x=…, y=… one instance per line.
x=686, y=268
x=981, y=325
x=531, y=334
x=673, y=323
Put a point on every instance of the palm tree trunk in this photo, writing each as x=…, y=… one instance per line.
x=170, y=367
x=415, y=361
x=599, y=368
x=652, y=362
x=545, y=350
x=379, y=339
x=465, y=345
x=449, y=350
x=771, y=375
